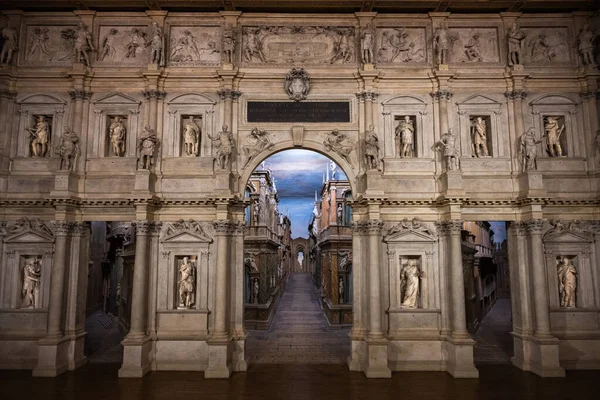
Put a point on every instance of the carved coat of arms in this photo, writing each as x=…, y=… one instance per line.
x=297, y=84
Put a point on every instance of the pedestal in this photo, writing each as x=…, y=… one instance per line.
x=76, y=357
x=136, y=357
x=452, y=184
x=377, y=359
x=443, y=67
x=239, y=363
x=538, y=355
x=369, y=67
x=223, y=181
x=53, y=357
x=460, y=358
x=373, y=184
x=531, y=184
x=65, y=184
x=144, y=181
x=517, y=67
x=227, y=67
x=356, y=360
x=218, y=366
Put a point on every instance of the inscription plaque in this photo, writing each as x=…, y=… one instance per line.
x=284, y=111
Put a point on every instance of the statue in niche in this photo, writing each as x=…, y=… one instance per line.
x=341, y=290
x=255, y=291
x=10, y=43
x=117, y=132
x=187, y=284
x=259, y=140
x=32, y=274
x=342, y=49
x=479, y=138
x=254, y=46
x=567, y=282
x=335, y=142
x=83, y=44
x=157, y=45
x=147, y=144
x=528, y=145
x=256, y=210
x=405, y=132
x=472, y=49
x=108, y=45
x=371, y=149
x=225, y=146
x=515, y=44
x=586, y=45
x=40, y=135
x=441, y=42
x=137, y=43
x=39, y=41
x=340, y=214
x=228, y=44
x=250, y=261
x=191, y=136
x=367, y=43
x=553, y=132
x=449, y=145
x=68, y=149
x=409, y=283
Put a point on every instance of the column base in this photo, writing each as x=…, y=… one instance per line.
x=377, y=359
x=76, y=357
x=539, y=355
x=239, y=363
x=218, y=363
x=460, y=357
x=356, y=360
x=53, y=357
x=136, y=357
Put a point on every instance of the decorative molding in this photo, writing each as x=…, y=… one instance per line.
x=146, y=227
x=373, y=226
x=150, y=94
x=442, y=95
x=516, y=95
x=79, y=94
x=588, y=94
x=11, y=254
x=192, y=227
x=229, y=94
x=7, y=94
x=415, y=225
x=62, y=228
x=165, y=255
x=534, y=226
x=452, y=227
x=225, y=226
x=518, y=227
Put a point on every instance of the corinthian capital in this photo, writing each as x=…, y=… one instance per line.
x=535, y=225
x=79, y=94
x=225, y=226
x=62, y=228
x=374, y=225
x=453, y=226
x=229, y=94
x=145, y=227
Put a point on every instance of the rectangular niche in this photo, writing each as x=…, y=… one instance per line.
x=32, y=129
x=480, y=133
x=560, y=121
x=398, y=136
x=30, y=282
x=187, y=128
x=410, y=290
x=116, y=125
x=186, y=282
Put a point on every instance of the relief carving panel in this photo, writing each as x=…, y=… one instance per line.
x=125, y=45
x=397, y=45
x=195, y=45
x=544, y=45
x=50, y=45
x=475, y=45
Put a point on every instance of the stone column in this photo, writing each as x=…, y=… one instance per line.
x=444, y=97
x=227, y=96
x=517, y=97
x=6, y=99
x=137, y=344
x=236, y=264
x=540, y=286
x=152, y=96
x=76, y=118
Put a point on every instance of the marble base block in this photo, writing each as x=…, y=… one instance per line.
x=377, y=360
x=460, y=358
x=540, y=356
x=136, y=357
x=218, y=365
x=53, y=357
x=531, y=184
x=452, y=184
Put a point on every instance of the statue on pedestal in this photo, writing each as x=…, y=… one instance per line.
x=32, y=274
x=147, y=146
x=479, y=138
x=409, y=284
x=191, y=136
x=371, y=149
x=528, y=145
x=449, y=144
x=228, y=44
x=405, y=132
x=553, y=132
x=441, y=44
x=68, y=149
x=567, y=282
x=40, y=137
x=187, y=284
x=10, y=43
x=117, y=133
x=586, y=45
x=367, y=42
x=157, y=45
x=83, y=44
x=515, y=44
x=225, y=146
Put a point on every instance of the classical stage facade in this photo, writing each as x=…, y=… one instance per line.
x=160, y=117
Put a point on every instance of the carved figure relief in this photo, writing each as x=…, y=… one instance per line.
x=545, y=45
x=29, y=224
x=191, y=226
x=147, y=144
x=441, y=44
x=567, y=282
x=516, y=36
x=409, y=283
x=195, y=45
x=229, y=34
x=39, y=43
x=404, y=135
x=83, y=44
x=225, y=146
x=117, y=133
x=372, y=160
x=448, y=144
x=157, y=45
x=415, y=225
x=553, y=131
x=297, y=84
x=401, y=45
x=479, y=147
x=586, y=45
x=123, y=44
x=32, y=276
x=191, y=136
x=473, y=45
x=339, y=143
x=10, y=43
x=258, y=141
x=250, y=261
x=528, y=150
x=40, y=137
x=367, y=42
x=68, y=149
x=187, y=283
x=472, y=48
x=298, y=44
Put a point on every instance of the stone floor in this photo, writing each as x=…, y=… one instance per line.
x=493, y=342
x=299, y=333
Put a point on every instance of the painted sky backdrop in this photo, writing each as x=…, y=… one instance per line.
x=298, y=173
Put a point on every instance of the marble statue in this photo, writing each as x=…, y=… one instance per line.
x=157, y=45
x=371, y=149
x=479, y=138
x=441, y=44
x=253, y=47
x=334, y=172
x=117, y=132
x=515, y=44
x=39, y=42
x=225, y=146
x=187, y=284
x=335, y=142
x=367, y=43
x=40, y=136
x=586, y=45
x=449, y=144
x=68, y=149
x=228, y=44
x=137, y=42
x=567, y=282
x=258, y=141
x=108, y=45
x=256, y=210
x=472, y=49
x=528, y=150
x=191, y=136
x=553, y=132
x=409, y=283
x=255, y=291
x=340, y=214
x=297, y=84
x=147, y=144
x=341, y=290
x=10, y=43
x=405, y=132
x=83, y=44
x=250, y=262
x=32, y=275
